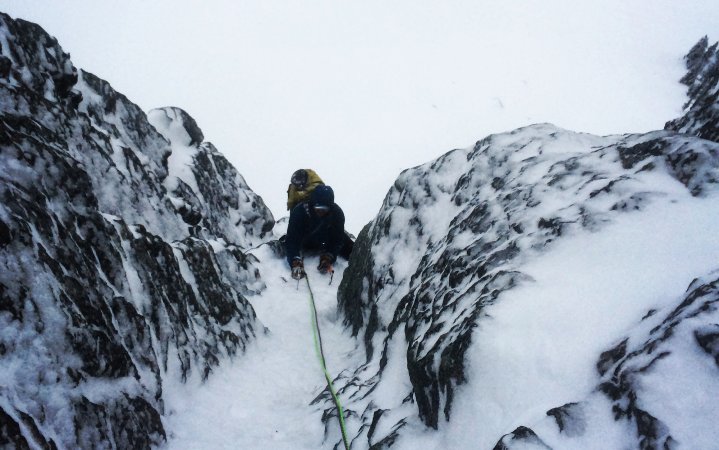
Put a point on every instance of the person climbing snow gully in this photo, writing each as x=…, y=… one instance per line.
x=316, y=224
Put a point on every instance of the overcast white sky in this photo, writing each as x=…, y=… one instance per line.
x=360, y=90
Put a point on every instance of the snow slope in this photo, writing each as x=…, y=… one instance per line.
x=587, y=292
x=263, y=400
x=505, y=270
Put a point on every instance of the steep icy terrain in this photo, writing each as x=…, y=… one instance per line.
x=122, y=254
x=468, y=314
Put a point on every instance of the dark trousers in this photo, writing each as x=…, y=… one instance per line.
x=313, y=246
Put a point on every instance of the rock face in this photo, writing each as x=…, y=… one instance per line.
x=122, y=257
x=702, y=108
x=452, y=236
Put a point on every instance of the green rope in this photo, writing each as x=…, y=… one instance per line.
x=321, y=356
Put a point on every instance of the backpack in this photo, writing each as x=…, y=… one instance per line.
x=302, y=183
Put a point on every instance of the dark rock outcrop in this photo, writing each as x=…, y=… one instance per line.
x=110, y=281
x=701, y=116
x=523, y=438
x=708, y=338
x=570, y=419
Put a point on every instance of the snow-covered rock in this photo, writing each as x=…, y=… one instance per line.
x=701, y=116
x=458, y=239
x=205, y=188
x=122, y=254
x=658, y=384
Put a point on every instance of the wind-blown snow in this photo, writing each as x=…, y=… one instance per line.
x=485, y=278
x=109, y=283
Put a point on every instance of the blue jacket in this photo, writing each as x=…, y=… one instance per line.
x=308, y=230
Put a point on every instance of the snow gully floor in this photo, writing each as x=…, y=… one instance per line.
x=261, y=400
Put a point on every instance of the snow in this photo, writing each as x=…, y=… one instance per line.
x=262, y=399
x=542, y=340
x=683, y=372
x=602, y=433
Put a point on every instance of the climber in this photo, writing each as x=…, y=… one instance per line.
x=302, y=183
x=317, y=225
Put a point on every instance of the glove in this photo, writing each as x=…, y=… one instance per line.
x=298, y=269
x=326, y=260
